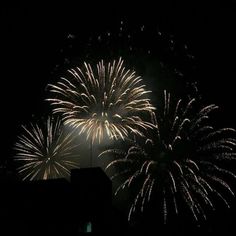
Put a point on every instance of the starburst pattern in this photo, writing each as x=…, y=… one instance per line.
x=109, y=100
x=46, y=152
x=183, y=160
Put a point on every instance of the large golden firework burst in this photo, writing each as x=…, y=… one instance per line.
x=107, y=101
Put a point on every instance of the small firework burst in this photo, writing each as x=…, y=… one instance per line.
x=109, y=100
x=181, y=163
x=46, y=152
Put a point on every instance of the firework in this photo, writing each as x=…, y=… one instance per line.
x=107, y=101
x=46, y=152
x=182, y=162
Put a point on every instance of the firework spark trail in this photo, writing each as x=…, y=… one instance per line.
x=46, y=152
x=109, y=100
x=183, y=159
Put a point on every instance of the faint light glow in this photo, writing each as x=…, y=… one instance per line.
x=70, y=36
x=89, y=227
x=85, y=227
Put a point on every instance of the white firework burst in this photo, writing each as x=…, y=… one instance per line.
x=181, y=162
x=107, y=101
x=46, y=152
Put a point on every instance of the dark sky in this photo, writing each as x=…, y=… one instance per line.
x=34, y=39
x=34, y=36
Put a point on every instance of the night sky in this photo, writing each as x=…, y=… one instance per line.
x=39, y=42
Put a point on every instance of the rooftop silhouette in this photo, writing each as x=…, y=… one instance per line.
x=81, y=205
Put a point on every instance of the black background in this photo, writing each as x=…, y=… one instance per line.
x=33, y=35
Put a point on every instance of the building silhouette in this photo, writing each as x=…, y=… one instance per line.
x=76, y=207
